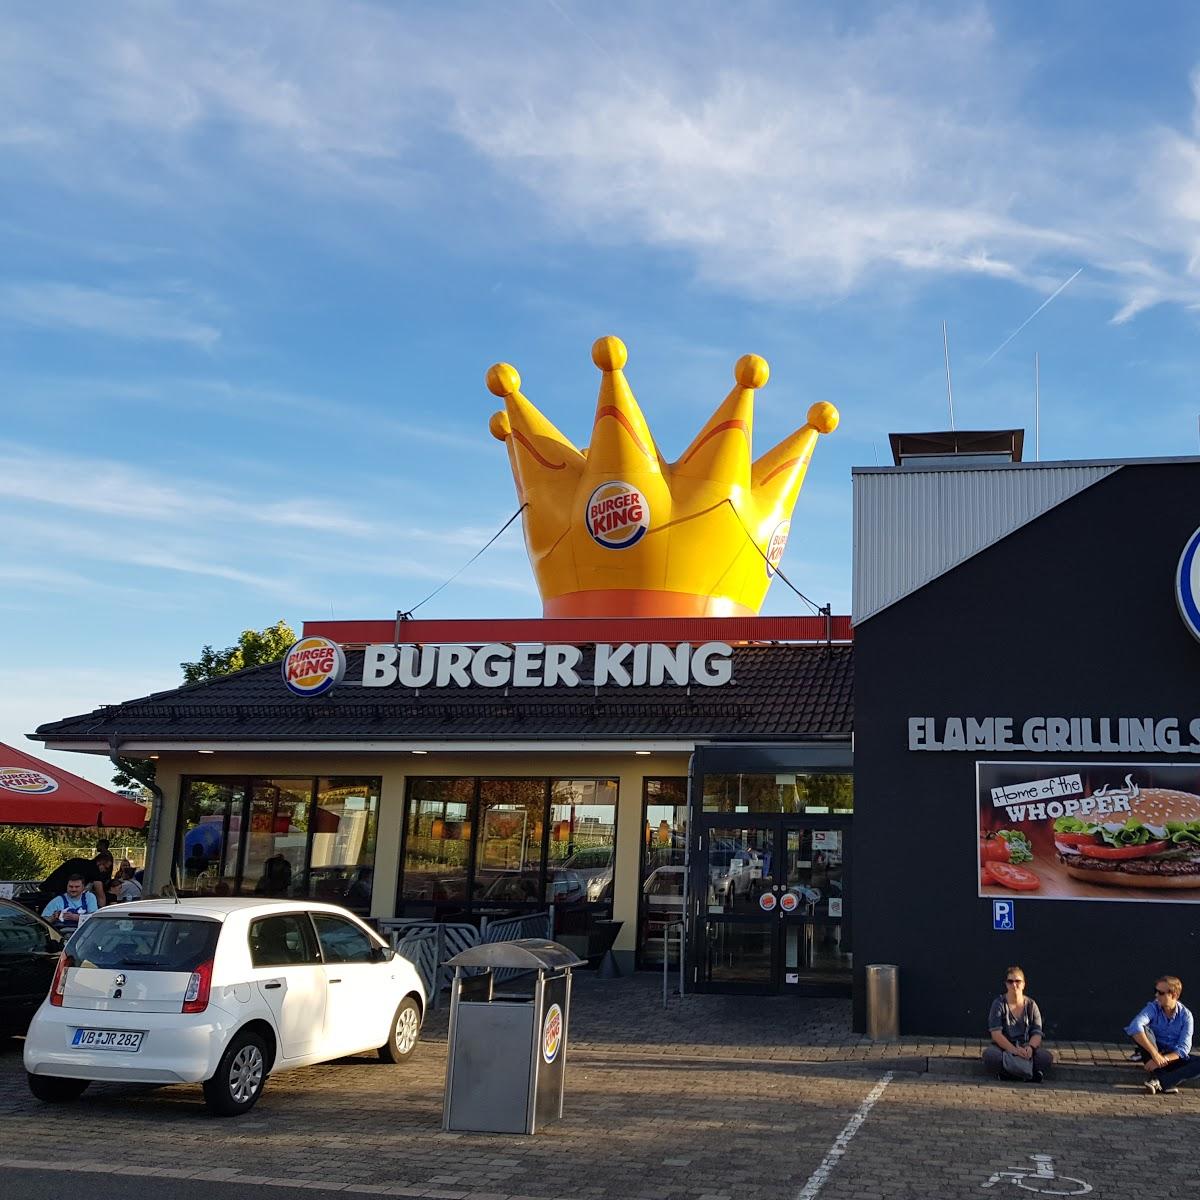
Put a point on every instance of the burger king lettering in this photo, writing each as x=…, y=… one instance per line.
x=534, y=665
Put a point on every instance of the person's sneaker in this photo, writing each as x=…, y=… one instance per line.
x=1153, y=1087
x=1173, y=1090
x=1038, y=1076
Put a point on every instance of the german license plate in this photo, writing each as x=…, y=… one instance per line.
x=108, y=1039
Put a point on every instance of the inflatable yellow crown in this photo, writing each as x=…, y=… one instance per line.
x=615, y=530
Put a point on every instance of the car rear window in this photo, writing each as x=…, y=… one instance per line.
x=144, y=943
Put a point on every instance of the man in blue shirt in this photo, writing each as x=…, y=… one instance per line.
x=68, y=911
x=1162, y=1032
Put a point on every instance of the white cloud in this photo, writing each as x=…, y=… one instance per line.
x=50, y=305
x=785, y=151
x=102, y=486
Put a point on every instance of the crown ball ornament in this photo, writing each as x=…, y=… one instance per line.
x=615, y=530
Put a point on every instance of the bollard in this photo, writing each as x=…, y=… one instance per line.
x=883, y=1002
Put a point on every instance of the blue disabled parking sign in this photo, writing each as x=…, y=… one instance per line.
x=1004, y=915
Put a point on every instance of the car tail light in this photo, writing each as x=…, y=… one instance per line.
x=59, y=984
x=195, y=998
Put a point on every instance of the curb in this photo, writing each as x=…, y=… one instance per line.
x=1059, y=1073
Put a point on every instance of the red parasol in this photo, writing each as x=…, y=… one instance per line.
x=32, y=792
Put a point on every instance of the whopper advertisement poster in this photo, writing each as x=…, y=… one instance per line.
x=1089, y=831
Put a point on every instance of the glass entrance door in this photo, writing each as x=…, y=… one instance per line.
x=773, y=906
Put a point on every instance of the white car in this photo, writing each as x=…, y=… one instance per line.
x=218, y=992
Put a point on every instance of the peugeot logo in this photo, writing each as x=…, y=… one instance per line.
x=119, y=981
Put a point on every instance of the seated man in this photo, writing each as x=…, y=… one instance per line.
x=1162, y=1032
x=93, y=872
x=68, y=911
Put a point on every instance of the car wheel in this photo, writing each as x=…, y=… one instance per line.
x=406, y=1029
x=240, y=1077
x=53, y=1089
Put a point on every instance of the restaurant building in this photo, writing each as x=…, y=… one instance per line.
x=470, y=769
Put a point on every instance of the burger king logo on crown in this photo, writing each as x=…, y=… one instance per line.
x=617, y=515
x=26, y=782
x=776, y=546
x=313, y=665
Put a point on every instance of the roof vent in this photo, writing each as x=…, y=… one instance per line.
x=957, y=448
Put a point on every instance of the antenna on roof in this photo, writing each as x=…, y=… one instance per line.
x=1037, y=409
x=949, y=389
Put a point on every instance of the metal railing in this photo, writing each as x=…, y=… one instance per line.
x=430, y=943
x=668, y=930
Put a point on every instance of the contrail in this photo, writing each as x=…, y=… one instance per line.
x=1058, y=292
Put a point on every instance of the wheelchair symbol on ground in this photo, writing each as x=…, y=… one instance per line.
x=1041, y=1179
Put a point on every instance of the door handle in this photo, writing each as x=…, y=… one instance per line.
x=335, y=981
x=273, y=984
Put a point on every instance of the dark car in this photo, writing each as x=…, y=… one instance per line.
x=29, y=950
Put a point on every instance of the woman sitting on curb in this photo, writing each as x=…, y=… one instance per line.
x=1015, y=1024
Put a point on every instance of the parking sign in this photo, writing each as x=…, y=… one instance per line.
x=1004, y=915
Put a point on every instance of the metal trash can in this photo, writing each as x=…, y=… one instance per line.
x=883, y=1002
x=507, y=1058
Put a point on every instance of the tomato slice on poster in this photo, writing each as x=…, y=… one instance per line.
x=1076, y=839
x=1118, y=852
x=1020, y=879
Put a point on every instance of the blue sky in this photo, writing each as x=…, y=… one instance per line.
x=255, y=260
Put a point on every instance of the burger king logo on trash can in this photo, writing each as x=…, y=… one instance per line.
x=313, y=665
x=26, y=782
x=552, y=1033
x=617, y=515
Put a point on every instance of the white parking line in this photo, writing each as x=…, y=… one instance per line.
x=816, y=1181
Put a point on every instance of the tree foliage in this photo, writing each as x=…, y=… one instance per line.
x=27, y=854
x=254, y=648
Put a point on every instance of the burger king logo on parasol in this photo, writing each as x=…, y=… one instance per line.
x=776, y=546
x=26, y=782
x=552, y=1029
x=313, y=665
x=617, y=515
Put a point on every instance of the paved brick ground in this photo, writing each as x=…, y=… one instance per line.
x=739, y=1115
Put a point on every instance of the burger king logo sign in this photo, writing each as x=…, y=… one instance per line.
x=552, y=1029
x=313, y=665
x=776, y=546
x=617, y=515
x=26, y=782
x=1187, y=585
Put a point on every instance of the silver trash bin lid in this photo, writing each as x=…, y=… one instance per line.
x=526, y=954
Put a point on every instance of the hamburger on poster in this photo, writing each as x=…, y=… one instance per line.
x=1156, y=846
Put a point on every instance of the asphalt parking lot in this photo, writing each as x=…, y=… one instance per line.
x=635, y=1126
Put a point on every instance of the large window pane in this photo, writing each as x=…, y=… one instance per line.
x=508, y=856
x=438, y=839
x=583, y=829
x=211, y=817
x=342, y=859
x=277, y=839
x=785, y=792
x=664, y=854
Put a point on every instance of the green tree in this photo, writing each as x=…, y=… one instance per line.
x=254, y=648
